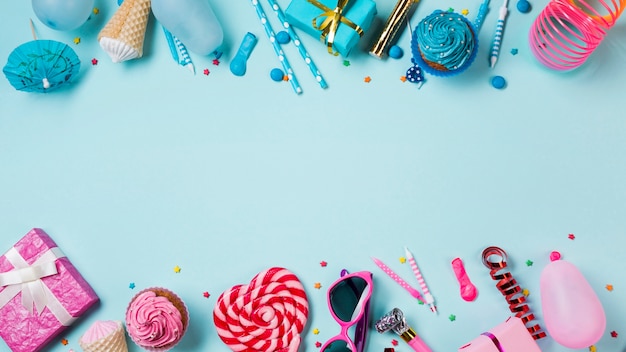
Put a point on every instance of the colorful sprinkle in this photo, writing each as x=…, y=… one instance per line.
x=452, y=317
x=318, y=285
x=571, y=236
x=403, y=78
x=367, y=79
x=529, y=262
x=206, y=294
x=94, y=61
x=554, y=255
x=394, y=342
x=96, y=10
x=465, y=12
x=592, y=348
x=323, y=264
x=526, y=292
x=614, y=334
x=450, y=9
x=77, y=40
x=316, y=331
x=346, y=63
x=402, y=260
x=131, y=286
x=514, y=51
x=64, y=342
x=318, y=344
x=609, y=287
x=216, y=62
x=206, y=71
x=177, y=269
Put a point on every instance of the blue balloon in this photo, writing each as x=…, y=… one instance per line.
x=63, y=15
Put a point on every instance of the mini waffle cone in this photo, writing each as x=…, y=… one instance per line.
x=115, y=342
x=177, y=302
x=126, y=30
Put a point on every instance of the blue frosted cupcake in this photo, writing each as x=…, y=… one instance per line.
x=444, y=43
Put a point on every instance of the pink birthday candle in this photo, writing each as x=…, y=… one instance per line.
x=398, y=280
x=430, y=300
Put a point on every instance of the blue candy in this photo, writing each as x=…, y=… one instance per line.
x=395, y=52
x=277, y=74
x=498, y=82
x=523, y=6
x=283, y=37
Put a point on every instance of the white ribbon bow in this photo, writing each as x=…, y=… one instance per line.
x=26, y=279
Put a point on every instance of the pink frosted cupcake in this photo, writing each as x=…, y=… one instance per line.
x=156, y=319
x=104, y=336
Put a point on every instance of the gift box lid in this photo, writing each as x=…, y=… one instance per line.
x=41, y=292
x=510, y=336
x=302, y=13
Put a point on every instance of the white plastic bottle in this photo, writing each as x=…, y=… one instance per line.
x=191, y=21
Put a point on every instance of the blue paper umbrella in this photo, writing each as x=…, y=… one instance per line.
x=41, y=66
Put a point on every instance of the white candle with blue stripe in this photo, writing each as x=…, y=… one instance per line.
x=497, y=38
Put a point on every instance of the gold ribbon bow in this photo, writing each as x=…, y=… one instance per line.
x=332, y=19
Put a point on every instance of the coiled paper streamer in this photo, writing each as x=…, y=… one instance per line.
x=494, y=258
x=566, y=32
x=266, y=315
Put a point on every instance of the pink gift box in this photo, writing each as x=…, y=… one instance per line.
x=41, y=293
x=510, y=336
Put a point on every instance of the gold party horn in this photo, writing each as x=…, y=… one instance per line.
x=394, y=21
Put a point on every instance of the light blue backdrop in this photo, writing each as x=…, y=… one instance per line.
x=141, y=166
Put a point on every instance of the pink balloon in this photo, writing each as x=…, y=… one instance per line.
x=572, y=312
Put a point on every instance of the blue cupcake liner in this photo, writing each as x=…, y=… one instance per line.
x=435, y=72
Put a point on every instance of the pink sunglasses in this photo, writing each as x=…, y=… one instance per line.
x=348, y=301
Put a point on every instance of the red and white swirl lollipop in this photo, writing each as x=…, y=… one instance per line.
x=267, y=315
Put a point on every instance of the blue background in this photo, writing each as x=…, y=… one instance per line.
x=141, y=166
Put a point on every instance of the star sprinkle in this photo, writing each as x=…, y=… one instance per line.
x=346, y=63
x=77, y=40
x=323, y=264
x=514, y=51
x=592, y=348
x=529, y=262
x=96, y=10
x=318, y=285
x=452, y=317
x=206, y=71
x=177, y=269
x=367, y=79
x=609, y=287
x=526, y=292
x=94, y=61
x=64, y=342
x=450, y=9
x=206, y=294
x=131, y=286
x=316, y=331
x=465, y=12
x=403, y=78
x=216, y=62
x=402, y=260
x=614, y=334
x=318, y=344
x=571, y=236
x=394, y=342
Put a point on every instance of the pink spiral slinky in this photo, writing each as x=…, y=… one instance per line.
x=266, y=315
x=567, y=32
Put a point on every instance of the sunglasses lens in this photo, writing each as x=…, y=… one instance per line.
x=337, y=346
x=345, y=298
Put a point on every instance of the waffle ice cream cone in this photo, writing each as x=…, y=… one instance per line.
x=104, y=336
x=122, y=37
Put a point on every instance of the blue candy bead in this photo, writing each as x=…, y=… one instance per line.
x=523, y=6
x=283, y=37
x=395, y=52
x=498, y=82
x=277, y=74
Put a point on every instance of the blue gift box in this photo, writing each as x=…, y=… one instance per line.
x=309, y=14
